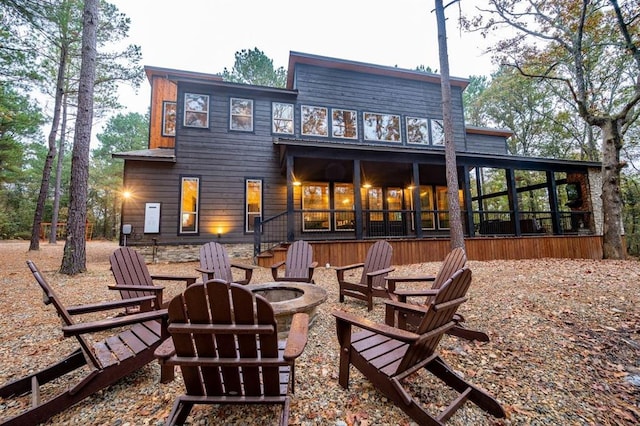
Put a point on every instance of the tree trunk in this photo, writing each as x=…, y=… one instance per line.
x=612, y=247
x=75, y=256
x=48, y=164
x=455, y=220
x=53, y=237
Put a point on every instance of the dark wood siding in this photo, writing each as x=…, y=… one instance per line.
x=486, y=144
x=334, y=88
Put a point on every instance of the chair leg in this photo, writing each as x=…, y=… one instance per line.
x=179, y=413
x=481, y=398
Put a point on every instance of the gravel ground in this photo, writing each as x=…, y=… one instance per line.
x=564, y=349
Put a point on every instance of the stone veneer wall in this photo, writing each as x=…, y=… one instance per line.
x=191, y=253
x=595, y=187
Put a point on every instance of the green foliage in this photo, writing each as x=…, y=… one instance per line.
x=254, y=67
x=123, y=132
x=19, y=121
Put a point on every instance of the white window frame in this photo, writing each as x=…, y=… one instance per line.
x=385, y=120
x=423, y=130
x=282, y=113
x=336, y=124
x=238, y=108
x=196, y=109
x=322, y=127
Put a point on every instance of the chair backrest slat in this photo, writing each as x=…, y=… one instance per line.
x=214, y=257
x=378, y=257
x=440, y=314
x=299, y=258
x=129, y=268
x=66, y=317
x=221, y=303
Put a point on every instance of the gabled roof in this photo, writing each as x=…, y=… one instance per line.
x=151, y=72
x=363, y=67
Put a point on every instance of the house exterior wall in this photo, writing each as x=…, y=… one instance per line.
x=222, y=159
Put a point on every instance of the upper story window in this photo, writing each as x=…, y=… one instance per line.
x=417, y=130
x=282, y=115
x=344, y=123
x=381, y=127
x=196, y=110
x=437, y=132
x=314, y=121
x=241, y=114
x=168, y=118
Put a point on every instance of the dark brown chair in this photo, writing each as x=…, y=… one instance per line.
x=387, y=355
x=134, y=280
x=108, y=359
x=454, y=261
x=374, y=269
x=225, y=341
x=215, y=264
x=299, y=265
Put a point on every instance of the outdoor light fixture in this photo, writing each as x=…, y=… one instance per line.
x=219, y=232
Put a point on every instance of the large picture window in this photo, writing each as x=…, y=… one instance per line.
x=344, y=203
x=381, y=127
x=315, y=196
x=282, y=118
x=417, y=130
x=196, y=110
x=315, y=121
x=189, y=204
x=253, y=196
x=344, y=124
x=241, y=114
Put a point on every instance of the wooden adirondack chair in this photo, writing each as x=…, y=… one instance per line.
x=387, y=355
x=108, y=360
x=299, y=265
x=455, y=260
x=134, y=280
x=225, y=341
x=215, y=264
x=374, y=269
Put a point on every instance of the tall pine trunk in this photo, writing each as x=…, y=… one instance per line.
x=455, y=221
x=48, y=164
x=75, y=256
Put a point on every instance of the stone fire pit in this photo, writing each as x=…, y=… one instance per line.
x=288, y=298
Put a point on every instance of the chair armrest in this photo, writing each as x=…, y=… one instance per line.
x=166, y=350
x=409, y=279
x=297, y=338
x=107, y=324
x=188, y=280
x=277, y=264
x=348, y=267
x=385, y=330
x=108, y=306
x=150, y=288
x=403, y=294
x=243, y=267
x=406, y=308
x=380, y=272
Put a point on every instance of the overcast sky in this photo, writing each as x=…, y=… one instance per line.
x=204, y=35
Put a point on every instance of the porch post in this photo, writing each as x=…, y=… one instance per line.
x=466, y=189
x=553, y=202
x=417, y=205
x=513, y=200
x=357, y=198
x=290, y=213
